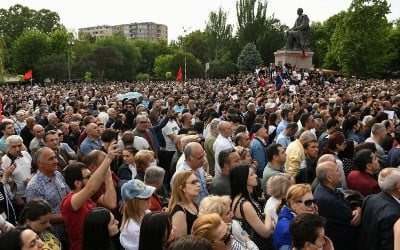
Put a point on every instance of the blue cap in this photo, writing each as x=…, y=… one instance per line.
x=136, y=189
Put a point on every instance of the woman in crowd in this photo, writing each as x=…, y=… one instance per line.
x=213, y=228
x=127, y=171
x=156, y=232
x=182, y=205
x=21, y=238
x=276, y=187
x=246, y=209
x=143, y=160
x=299, y=200
x=136, y=196
x=351, y=128
x=98, y=229
x=36, y=216
x=221, y=206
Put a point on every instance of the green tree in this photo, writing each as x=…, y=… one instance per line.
x=162, y=65
x=106, y=60
x=196, y=44
x=360, y=43
x=130, y=57
x=249, y=58
x=53, y=66
x=394, y=38
x=149, y=50
x=218, y=33
x=28, y=49
x=221, y=68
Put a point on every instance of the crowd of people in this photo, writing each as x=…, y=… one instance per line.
x=276, y=161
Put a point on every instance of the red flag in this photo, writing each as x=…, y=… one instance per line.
x=27, y=75
x=179, y=75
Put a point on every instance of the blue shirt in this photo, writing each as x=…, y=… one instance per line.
x=88, y=145
x=52, y=190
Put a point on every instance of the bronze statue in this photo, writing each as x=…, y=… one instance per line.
x=297, y=37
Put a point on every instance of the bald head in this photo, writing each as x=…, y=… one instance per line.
x=225, y=128
x=325, y=169
x=389, y=179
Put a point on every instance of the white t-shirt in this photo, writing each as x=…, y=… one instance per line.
x=130, y=234
x=21, y=172
x=169, y=129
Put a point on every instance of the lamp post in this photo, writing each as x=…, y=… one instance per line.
x=70, y=43
x=184, y=50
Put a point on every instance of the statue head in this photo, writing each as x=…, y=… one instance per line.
x=299, y=11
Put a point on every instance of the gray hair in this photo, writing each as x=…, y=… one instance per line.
x=214, y=123
x=13, y=139
x=20, y=113
x=278, y=185
x=51, y=115
x=140, y=117
x=307, y=137
x=388, y=179
x=325, y=158
x=37, y=156
x=377, y=128
x=153, y=175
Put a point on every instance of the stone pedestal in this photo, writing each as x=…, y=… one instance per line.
x=294, y=57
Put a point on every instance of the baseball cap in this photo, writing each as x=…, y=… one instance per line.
x=136, y=189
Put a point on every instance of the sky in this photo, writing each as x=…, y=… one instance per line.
x=178, y=15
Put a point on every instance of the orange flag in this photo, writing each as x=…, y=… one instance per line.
x=179, y=75
x=27, y=75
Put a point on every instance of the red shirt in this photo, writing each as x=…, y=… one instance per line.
x=74, y=220
x=155, y=202
x=362, y=182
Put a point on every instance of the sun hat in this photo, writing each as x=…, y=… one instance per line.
x=136, y=189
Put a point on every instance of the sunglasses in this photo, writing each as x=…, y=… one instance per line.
x=308, y=203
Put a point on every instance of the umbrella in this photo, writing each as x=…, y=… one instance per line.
x=130, y=95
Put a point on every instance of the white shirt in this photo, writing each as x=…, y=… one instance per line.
x=169, y=129
x=130, y=233
x=21, y=172
x=221, y=143
x=138, y=142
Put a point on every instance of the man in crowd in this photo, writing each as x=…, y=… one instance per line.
x=154, y=176
x=220, y=185
x=27, y=133
x=92, y=141
x=51, y=140
x=378, y=133
x=83, y=184
x=7, y=129
x=342, y=220
x=222, y=142
x=307, y=123
x=194, y=159
x=242, y=139
x=380, y=212
x=53, y=120
x=258, y=146
x=209, y=142
x=49, y=184
x=277, y=157
x=37, y=142
x=285, y=137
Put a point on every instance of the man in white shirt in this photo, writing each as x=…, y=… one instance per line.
x=222, y=142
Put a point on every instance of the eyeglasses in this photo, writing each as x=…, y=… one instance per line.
x=194, y=182
x=308, y=203
x=87, y=176
x=60, y=134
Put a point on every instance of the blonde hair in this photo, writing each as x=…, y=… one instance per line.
x=295, y=192
x=214, y=204
x=178, y=195
x=142, y=158
x=130, y=210
x=206, y=225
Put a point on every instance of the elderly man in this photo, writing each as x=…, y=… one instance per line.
x=49, y=184
x=194, y=159
x=222, y=142
x=92, y=141
x=227, y=159
x=143, y=131
x=51, y=140
x=53, y=120
x=242, y=139
x=297, y=36
x=20, y=161
x=378, y=133
x=37, y=142
x=20, y=121
x=209, y=143
x=342, y=220
x=380, y=212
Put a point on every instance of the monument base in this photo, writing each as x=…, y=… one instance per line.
x=294, y=57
